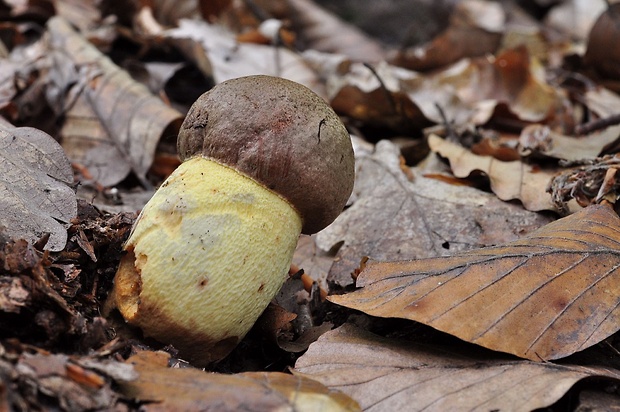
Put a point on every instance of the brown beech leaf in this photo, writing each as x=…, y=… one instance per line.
x=169, y=389
x=546, y=296
x=393, y=375
x=509, y=180
x=113, y=123
x=396, y=216
x=475, y=29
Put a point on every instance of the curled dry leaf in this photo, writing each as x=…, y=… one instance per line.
x=546, y=296
x=509, y=180
x=468, y=92
x=192, y=389
x=541, y=140
x=35, y=198
x=512, y=78
x=227, y=59
x=397, y=218
x=113, y=124
x=587, y=184
x=22, y=89
x=475, y=30
x=376, y=97
x=391, y=375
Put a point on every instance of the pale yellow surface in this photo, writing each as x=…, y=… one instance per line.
x=213, y=247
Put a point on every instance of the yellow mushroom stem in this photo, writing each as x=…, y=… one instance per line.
x=207, y=254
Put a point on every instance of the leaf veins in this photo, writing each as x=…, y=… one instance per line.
x=543, y=297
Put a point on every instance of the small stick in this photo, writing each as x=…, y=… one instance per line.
x=450, y=133
x=599, y=124
x=385, y=89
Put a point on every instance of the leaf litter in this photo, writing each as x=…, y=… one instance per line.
x=399, y=217
x=508, y=73
x=192, y=389
x=126, y=121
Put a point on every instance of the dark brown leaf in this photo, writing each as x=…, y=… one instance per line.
x=475, y=30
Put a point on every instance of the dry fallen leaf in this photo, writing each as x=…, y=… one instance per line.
x=35, y=198
x=390, y=375
x=586, y=185
x=168, y=389
x=323, y=31
x=313, y=260
x=397, y=218
x=469, y=91
x=113, y=123
x=546, y=296
x=575, y=17
x=58, y=382
x=541, y=140
x=509, y=180
x=602, y=101
x=475, y=30
x=84, y=15
x=228, y=58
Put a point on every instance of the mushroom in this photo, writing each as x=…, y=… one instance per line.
x=263, y=159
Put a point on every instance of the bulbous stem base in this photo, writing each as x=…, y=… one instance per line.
x=206, y=256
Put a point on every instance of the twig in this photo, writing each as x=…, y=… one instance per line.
x=598, y=124
x=450, y=133
x=256, y=10
x=385, y=89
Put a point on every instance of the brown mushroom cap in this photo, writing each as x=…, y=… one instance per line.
x=281, y=134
